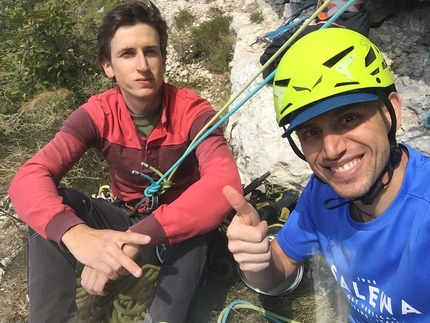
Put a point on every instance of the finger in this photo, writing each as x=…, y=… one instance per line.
x=253, y=262
x=87, y=280
x=135, y=238
x=100, y=285
x=253, y=267
x=244, y=232
x=108, y=265
x=128, y=264
x=123, y=272
x=249, y=247
x=245, y=258
x=94, y=282
x=245, y=211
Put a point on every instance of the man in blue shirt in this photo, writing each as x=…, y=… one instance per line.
x=366, y=206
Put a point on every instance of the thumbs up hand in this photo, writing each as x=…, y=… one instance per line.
x=248, y=240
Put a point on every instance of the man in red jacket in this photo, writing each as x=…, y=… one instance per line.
x=142, y=119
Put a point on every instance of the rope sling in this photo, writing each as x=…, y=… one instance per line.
x=130, y=298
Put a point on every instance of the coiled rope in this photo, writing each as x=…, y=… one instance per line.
x=128, y=301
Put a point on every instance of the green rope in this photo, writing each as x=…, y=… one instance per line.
x=239, y=304
x=128, y=301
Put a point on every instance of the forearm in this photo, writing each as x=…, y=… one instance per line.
x=33, y=190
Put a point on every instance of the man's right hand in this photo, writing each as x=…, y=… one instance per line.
x=248, y=240
x=102, y=250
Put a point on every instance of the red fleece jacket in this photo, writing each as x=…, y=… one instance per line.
x=193, y=205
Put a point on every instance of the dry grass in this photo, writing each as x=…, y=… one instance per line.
x=13, y=283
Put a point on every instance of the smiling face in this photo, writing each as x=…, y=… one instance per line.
x=348, y=147
x=138, y=66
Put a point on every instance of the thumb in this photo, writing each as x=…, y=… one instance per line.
x=246, y=213
x=136, y=238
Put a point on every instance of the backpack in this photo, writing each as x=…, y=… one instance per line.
x=358, y=21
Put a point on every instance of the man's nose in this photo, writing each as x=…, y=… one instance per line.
x=334, y=145
x=142, y=62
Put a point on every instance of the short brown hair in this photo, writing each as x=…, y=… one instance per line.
x=130, y=14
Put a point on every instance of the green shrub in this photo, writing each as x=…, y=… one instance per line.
x=211, y=42
x=184, y=19
x=256, y=17
x=45, y=46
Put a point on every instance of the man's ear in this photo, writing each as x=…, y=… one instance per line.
x=396, y=101
x=107, y=67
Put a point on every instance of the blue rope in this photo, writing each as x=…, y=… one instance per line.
x=149, y=190
x=286, y=25
x=271, y=35
x=155, y=187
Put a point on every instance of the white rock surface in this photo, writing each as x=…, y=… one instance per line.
x=252, y=131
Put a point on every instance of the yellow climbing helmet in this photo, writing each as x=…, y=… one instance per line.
x=324, y=70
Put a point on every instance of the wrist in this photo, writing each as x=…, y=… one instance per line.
x=72, y=233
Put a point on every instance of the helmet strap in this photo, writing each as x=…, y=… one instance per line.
x=295, y=148
x=395, y=154
x=375, y=190
x=392, y=132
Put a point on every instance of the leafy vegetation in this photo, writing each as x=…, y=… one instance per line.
x=256, y=17
x=211, y=42
x=184, y=19
x=45, y=46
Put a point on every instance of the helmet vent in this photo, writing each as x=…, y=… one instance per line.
x=299, y=88
x=335, y=59
x=384, y=64
x=346, y=83
x=370, y=57
x=284, y=82
x=375, y=72
x=318, y=81
x=286, y=107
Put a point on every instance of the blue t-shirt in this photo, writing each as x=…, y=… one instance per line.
x=383, y=266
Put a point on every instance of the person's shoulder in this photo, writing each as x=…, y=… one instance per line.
x=418, y=173
x=108, y=96
x=104, y=102
x=184, y=94
x=417, y=159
